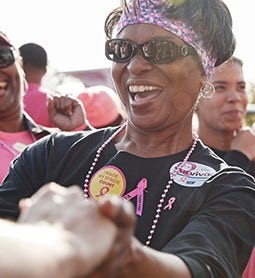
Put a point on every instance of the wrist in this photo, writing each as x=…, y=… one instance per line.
x=81, y=127
x=34, y=250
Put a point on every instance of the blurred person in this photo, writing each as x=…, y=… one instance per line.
x=17, y=128
x=39, y=101
x=100, y=102
x=189, y=202
x=102, y=106
x=47, y=242
x=35, y=61
x=221, y=117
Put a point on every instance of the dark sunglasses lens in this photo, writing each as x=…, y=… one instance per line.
x=6, y=57
x=119, y=50
x=159, y=52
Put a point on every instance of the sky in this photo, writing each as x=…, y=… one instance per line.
x=73, y=35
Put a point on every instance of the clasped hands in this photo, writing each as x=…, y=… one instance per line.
x=95, y=238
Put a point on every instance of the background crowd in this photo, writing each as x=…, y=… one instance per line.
x=178, y=108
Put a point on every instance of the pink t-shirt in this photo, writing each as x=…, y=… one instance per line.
x=35, y=104
x=11, y=144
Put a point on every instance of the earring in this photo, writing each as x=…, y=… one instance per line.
x=207, y=90
x=197, y=101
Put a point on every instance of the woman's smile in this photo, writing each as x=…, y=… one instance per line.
x=143, y=94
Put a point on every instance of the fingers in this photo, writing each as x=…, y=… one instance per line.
x=50, y=103
x=90, y=234
x=120, y=211
x=47, y=202
x=65, y=104
x=66, y=112
x=24, y=203
x=122, y=214
x=239, y=142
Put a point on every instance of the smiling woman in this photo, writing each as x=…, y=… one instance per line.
x=186, y=198
x=68, y=18
x=222, y=117
x=17, y=129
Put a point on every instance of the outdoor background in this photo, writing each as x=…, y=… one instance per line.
x=72, y=32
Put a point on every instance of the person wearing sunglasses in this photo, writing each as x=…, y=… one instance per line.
x=17, y=128
x=195, y=214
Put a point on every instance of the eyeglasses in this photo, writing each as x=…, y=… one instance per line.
x=157, y=51
x=7, y=57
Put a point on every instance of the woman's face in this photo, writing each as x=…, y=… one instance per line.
x=157, y=95
x=226, y=110
x=11, y=87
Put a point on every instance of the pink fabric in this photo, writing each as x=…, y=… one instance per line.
x=102, y=105
x=249, y=271
x=152, y=12
x=35, y=104
x=15, y=142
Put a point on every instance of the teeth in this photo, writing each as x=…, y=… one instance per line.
x=3, y=84
x=142, y=88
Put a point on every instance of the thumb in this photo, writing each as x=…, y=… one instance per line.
x=50, y=104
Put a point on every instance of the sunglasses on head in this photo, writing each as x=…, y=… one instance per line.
x=7, y=57
x=157, y=51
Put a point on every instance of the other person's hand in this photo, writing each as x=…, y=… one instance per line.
x=66, y=112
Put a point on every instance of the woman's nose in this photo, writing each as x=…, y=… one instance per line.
x=234, y=96
x=138, y=65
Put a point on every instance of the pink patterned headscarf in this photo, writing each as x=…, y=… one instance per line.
x=152, y=12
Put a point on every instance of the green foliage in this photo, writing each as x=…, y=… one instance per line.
x=177, y=2
x=250, y=117
x=251, y=92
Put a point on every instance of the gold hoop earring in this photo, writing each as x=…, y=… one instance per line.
x=207, y=91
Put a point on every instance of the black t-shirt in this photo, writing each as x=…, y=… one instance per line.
x=207, y=217
x=237, y=158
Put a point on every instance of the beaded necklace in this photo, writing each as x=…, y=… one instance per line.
x=98, y=153
x=10, y=149
x=167, y=187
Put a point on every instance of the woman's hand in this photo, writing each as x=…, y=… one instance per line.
x=85, y=234
x=244, y=141
x=120, y=257
x=130, y=258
